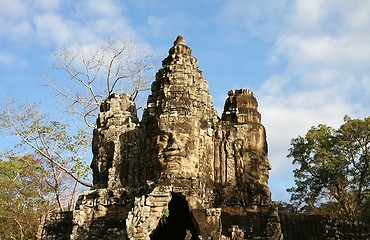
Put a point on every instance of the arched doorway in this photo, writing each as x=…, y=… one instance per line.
x=178, y=224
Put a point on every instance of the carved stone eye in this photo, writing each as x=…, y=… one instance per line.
x=163, y=138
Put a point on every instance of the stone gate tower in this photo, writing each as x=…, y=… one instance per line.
x=181, y=172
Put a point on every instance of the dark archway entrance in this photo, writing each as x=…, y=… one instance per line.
x=177, y=223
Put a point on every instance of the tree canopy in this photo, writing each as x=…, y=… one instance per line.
x=26, y=194
x=333, y=172
x=51, y=140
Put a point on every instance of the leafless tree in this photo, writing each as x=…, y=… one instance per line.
x=97, y=72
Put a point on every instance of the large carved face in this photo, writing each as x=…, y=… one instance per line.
x=177, y=149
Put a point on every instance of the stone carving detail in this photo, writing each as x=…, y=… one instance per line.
x=116, y=145
x=180, y=163
x=179, y=117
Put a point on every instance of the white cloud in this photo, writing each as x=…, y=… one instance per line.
x=15, y=9
x=56, y=23
x=13, y=21
x=10, y=60
x=102, y=8
x=306, y=16
x=262, y=18
x=7, y=59
x=301, y=51
x=156, y=25
x=47, y=5
x=286, y=117
x=52, y=27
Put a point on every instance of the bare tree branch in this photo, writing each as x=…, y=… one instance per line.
x=113, y=67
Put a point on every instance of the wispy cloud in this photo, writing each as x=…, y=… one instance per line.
x=7, y=59
x=51, y=27
x=57, y=23
x=13, y=21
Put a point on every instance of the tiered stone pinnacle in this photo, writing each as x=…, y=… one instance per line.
x=182, y=110
x=180, y=47
x=116, y=138
x=241, y=107
x=179, y=88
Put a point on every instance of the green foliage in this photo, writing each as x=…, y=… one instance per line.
x=25, y=196
x=365, y=209
x=333, y=174
x=55, y=141
x=59, y=148
x=165, y=215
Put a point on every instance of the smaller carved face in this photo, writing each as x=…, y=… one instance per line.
x=265, y=167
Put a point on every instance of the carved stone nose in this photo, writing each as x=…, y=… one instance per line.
x=173, y=144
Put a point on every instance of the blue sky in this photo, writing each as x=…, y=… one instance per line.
x=307, y=62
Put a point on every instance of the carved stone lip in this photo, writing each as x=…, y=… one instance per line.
x=174, y=152
x=173, y=155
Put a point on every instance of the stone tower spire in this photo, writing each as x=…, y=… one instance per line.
x=181, y=109
x=179, y=41
x=180, y=47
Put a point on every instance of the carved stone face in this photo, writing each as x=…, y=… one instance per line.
x=177, y=151
x=265, y=167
